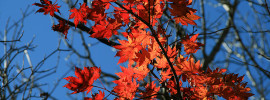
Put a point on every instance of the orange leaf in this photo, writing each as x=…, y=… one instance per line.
x=128, y=50
x=190, y=44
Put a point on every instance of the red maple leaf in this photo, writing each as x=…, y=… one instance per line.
x=106, y=28
x=152, y=10
x=154, y=48
x=107, y=3
x=166, y=74
x=143, y=57
x=141, y=72
x=47, y=7
x=126, y=85
x=162, y=61
x=126, y=72
x=188, y=67
x=97, y=11
x=128, y=50
x=61, y=27
x=182, y=13
x=187, y=19
x=83, y=80
x=126, y=88
x=190, y=44
x=124, y=15
x=150, y=91
x=79, y=15
x=99, y=96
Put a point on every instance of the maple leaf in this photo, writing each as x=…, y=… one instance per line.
x=143, y=58
x=166, y=74
x=190, y=44
x=97, y=11
x=140, y=72
x=182, y=13
x=106, y=28
x=47, y=7
x=188, y=67
x=150, y=11
x=62, y=27
x=188, y=19
x=125, y=16
x=162, y=61
x=121, y=15
x=99, y=96
x=128, y=50
x=228, y=86
x=107, y=3
x=200, y=92
x=126, y=72
x=83, y=80
x=154, y=48
x=150, y=91
x=126, y=87
x=79, y=15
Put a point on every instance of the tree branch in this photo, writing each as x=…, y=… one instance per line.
x=88, y=30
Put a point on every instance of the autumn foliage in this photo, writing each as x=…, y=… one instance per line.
x=145, y=47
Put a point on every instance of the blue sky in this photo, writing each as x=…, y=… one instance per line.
x=39, y=26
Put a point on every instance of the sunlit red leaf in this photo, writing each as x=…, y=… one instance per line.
x=128, y=50
x=166, y=74
x=162, y=61
x=106, y=28
x=79, y=15
x=83, y=80
x=126, y=85
x=141, y=72
x=188, y=67
x=143, y=58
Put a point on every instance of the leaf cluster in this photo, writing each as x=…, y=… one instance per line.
x=145, y=44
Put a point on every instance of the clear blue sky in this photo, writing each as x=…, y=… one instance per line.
x=39, y=26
